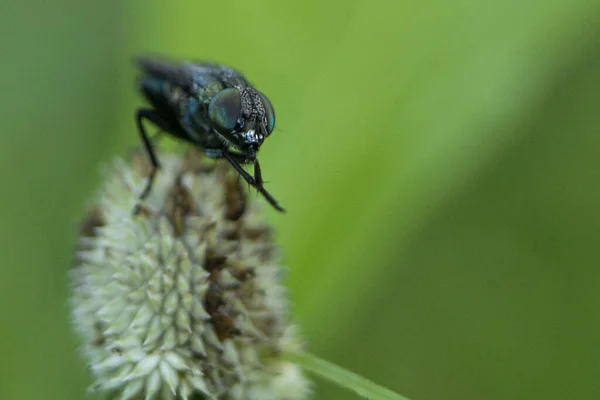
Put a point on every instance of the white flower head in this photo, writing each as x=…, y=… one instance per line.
x=182, y=300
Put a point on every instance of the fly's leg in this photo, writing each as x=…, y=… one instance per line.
x=149, y=115
x=257, y=173
x=236, y=160
x=253, y=181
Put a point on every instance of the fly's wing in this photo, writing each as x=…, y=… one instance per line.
x=204, y=72
x=191, y=76
x=170, y=72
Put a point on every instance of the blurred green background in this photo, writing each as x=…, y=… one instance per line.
x=439, y=162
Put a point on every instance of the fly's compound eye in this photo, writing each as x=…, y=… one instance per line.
x=225, y=109
x=269, y=113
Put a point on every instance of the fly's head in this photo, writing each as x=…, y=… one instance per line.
x=242, y=117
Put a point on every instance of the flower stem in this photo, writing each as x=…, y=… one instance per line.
x=344, y=378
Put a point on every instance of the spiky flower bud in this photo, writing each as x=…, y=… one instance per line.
x=182, y=300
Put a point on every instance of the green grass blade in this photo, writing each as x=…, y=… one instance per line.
x=342, y=377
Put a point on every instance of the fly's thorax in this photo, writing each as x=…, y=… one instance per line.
x=207, y=93
x=193, y=120
x=162, y=95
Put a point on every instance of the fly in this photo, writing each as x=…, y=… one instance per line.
x=210, y=106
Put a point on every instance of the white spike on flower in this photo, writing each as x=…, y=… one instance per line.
x=183, y=300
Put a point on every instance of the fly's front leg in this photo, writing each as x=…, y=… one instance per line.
x=236, y=160
x=258, y=173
